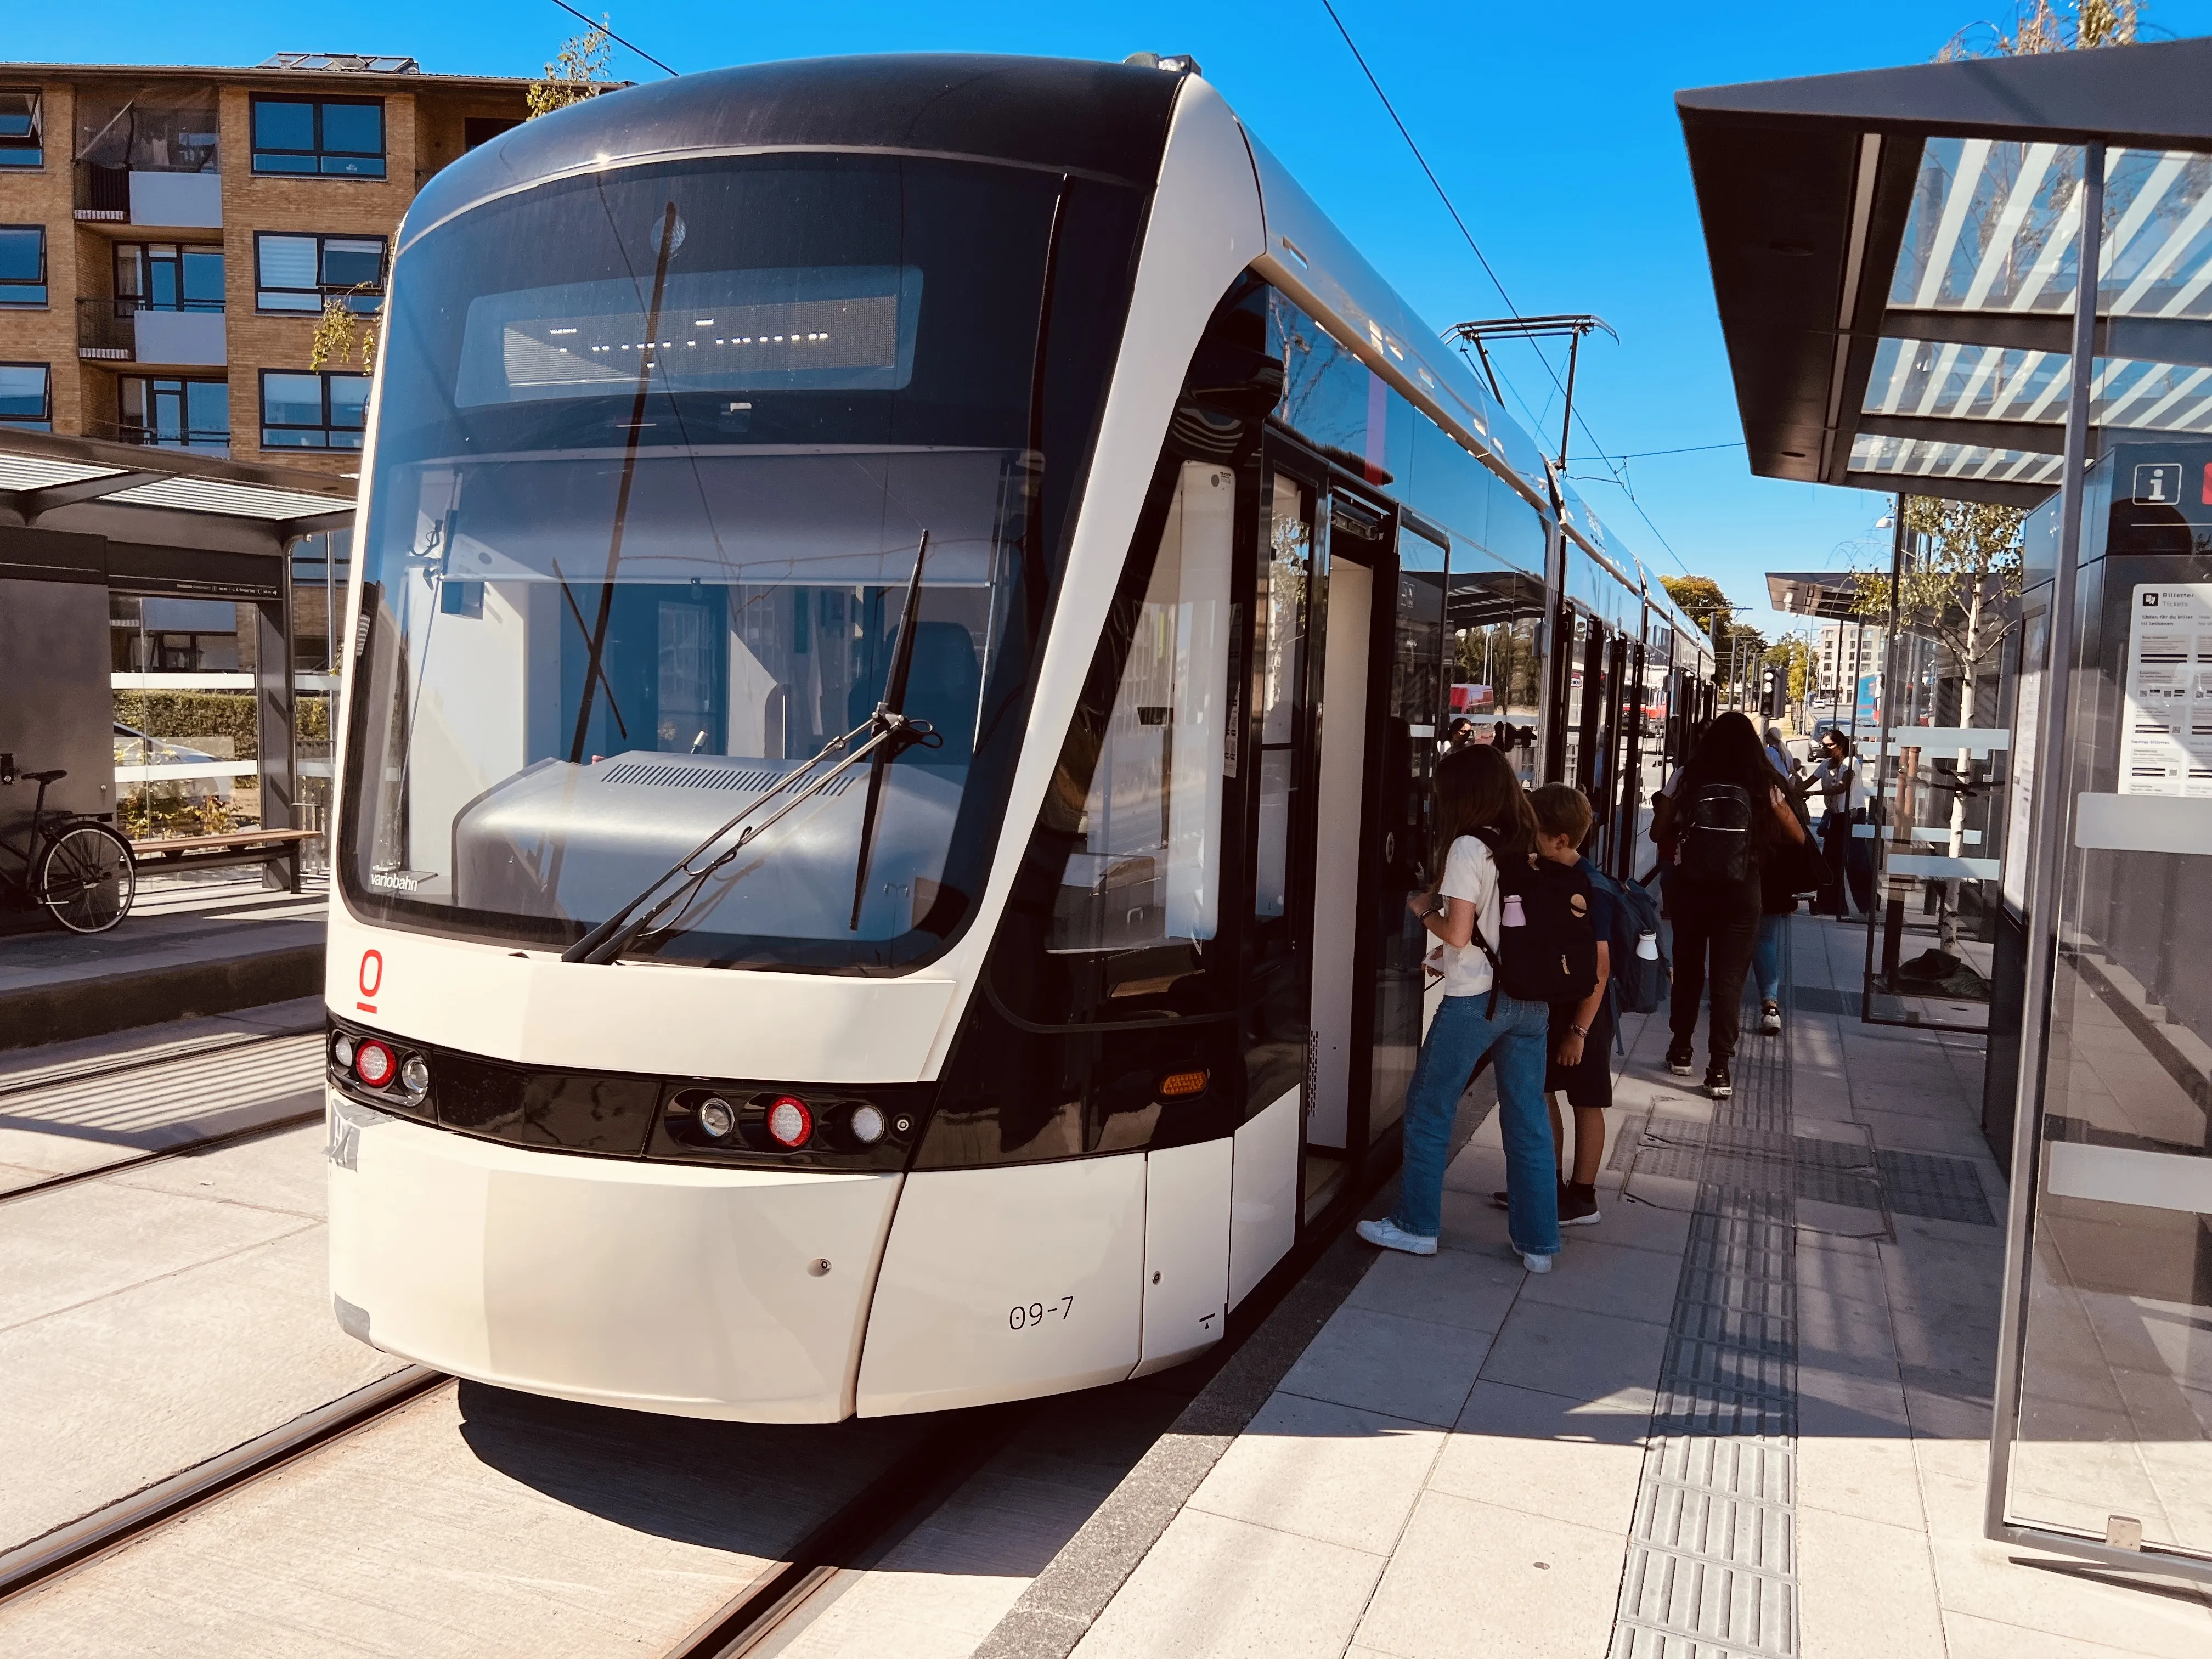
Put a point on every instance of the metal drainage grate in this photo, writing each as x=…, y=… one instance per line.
x=1853, y=1174
x=1937, y=1188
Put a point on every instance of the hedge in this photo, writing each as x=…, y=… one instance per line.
x=180, y=716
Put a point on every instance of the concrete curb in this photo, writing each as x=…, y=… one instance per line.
x=1064, y=1601
x=151, y=996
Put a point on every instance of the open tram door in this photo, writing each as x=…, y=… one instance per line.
x=1348, y=659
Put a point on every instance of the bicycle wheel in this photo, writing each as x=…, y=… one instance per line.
x=87, y=878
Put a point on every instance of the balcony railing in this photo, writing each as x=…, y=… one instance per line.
x=107, y=330
x=103, y=193
x=163, y=197
x=128, y=331
x=129, y=432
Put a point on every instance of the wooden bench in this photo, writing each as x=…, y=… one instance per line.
x=240, y=847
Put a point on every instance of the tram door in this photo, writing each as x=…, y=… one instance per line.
x=1352, y=548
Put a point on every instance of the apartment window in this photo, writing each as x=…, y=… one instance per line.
x=23, y=265
x=312, y=411
x=174, y=413
x=332, y=136
x=27, y=396
x=22, y=134
x=297, y=273
x=168, y=276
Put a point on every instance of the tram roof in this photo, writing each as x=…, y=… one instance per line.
x=1893, y=255
x=1103, y=120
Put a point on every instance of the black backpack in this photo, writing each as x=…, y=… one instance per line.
x=1547, y=943
x=1713, y=842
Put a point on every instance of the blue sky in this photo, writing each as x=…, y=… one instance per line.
x=1553, y=126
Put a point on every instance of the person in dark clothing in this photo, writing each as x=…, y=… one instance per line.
x=1717, y=920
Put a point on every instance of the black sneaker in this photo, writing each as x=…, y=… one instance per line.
x=1718, y=1083
x=1680, y=1060
x=1578, y=1205
x=1770, y=1018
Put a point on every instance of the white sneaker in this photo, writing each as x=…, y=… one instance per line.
x=1393, y=1237
x=1537, y=1264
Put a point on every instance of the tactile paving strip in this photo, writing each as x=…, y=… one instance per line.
x=1712, y=1557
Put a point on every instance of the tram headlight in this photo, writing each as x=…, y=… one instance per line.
x=341, y=1050
x=789, y=1122
x=866, y=1124
x=715, y=1117
x=415, y=1075
x=373, y=1063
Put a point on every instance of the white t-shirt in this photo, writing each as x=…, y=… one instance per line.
x=1830, y=776
x=1470, y=873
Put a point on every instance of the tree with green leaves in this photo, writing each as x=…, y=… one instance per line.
x=1961, y=564
x=577, y=72
x=1735, y=645
x=2040, y=26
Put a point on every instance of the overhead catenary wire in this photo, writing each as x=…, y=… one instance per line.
x=1483, y=260
x=600, y=25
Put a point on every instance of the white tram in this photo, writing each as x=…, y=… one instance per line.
x=903, y=608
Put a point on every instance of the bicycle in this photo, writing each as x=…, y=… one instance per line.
x=77, y=867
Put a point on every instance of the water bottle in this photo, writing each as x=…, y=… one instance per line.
x=1515, y=916
x=1647, y=947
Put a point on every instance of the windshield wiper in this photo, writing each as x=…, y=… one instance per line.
x=890, y=733
x=894, y=732
x=619, y=931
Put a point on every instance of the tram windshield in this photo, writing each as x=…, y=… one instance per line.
x=656, y=452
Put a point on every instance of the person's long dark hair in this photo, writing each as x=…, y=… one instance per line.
x=1731, y=752
x=1478, y=789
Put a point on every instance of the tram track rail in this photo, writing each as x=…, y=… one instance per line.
x=783, y=1597
x=70, y=1078
x=115, y=1526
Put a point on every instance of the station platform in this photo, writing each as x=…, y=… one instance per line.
x=193, y=946
x=1746, y=1414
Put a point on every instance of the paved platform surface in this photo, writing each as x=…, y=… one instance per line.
x=212, y=944
x=1746, y=1414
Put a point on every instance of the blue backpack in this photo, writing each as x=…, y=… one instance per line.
x=1639, y=981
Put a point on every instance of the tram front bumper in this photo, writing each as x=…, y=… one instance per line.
x=698, y=1291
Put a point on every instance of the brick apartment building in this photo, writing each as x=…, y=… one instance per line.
x=168, y=237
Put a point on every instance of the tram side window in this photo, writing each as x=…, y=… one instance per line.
x=1282, y=667
x=1148, y=868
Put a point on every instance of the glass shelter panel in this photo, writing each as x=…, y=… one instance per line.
x=2115, y=1404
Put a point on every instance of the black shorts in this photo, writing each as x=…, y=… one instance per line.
x=1590, y=1083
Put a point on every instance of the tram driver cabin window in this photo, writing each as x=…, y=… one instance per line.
x=329, y=137
x=1147, y=870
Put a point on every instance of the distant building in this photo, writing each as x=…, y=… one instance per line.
x=1844, y=652
x=168, y=237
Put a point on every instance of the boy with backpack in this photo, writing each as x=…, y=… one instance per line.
x=1579, y=1068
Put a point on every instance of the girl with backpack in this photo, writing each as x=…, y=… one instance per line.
x=1726, y=817
x=1484, y=823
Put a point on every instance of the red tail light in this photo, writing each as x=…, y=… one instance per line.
x=373, y=1063
x=789, y=1122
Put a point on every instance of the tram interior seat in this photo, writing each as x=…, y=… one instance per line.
x=944, y=686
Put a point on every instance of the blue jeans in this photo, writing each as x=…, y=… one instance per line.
x=1767, y=958
x=1462, y=1032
